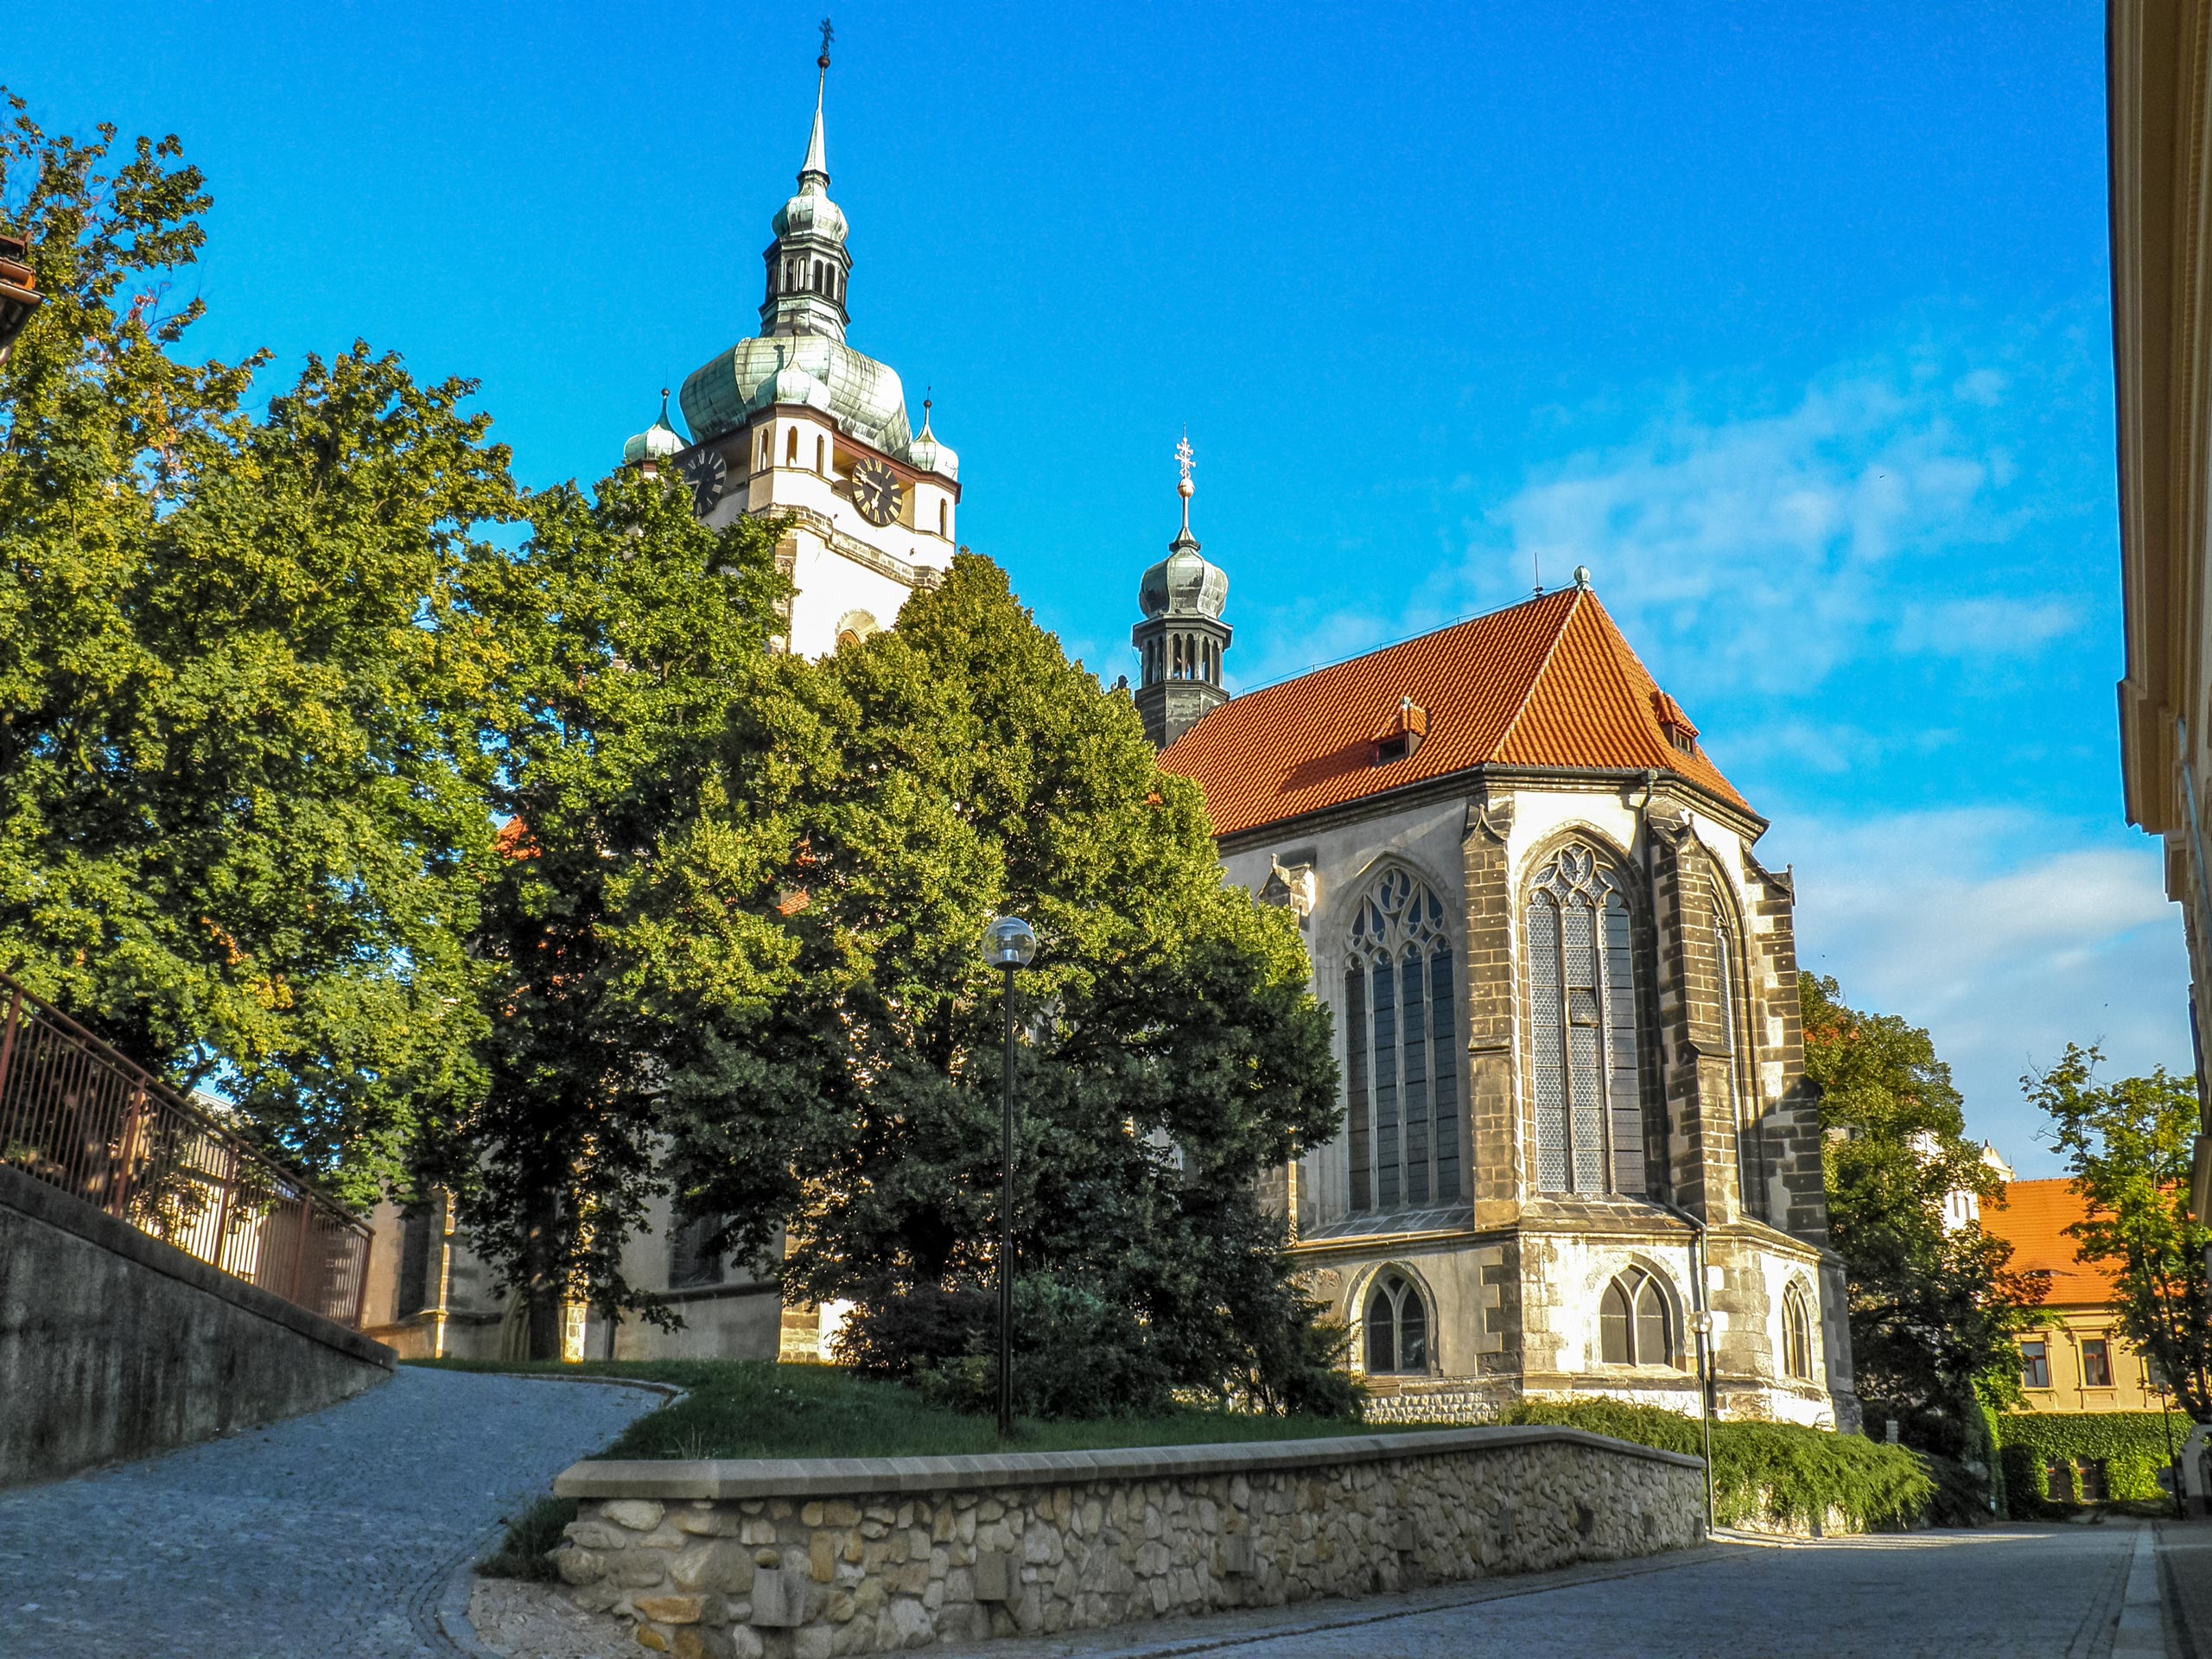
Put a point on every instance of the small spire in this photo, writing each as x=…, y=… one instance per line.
x=925, y=431
x=817, y=159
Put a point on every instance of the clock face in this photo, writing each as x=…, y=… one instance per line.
x=876, y=491
x=707, y=473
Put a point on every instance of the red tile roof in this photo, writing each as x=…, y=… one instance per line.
x=2034, y=1215
x=1548, y=683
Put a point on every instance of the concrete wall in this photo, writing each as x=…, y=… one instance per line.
x=114, y=1345
x=807, y=1559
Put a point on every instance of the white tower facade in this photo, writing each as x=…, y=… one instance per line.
x=795, y=423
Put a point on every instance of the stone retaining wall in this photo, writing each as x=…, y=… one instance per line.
x=807, y=1560
x=114, y=1345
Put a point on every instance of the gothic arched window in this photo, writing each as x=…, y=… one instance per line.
x=1397, y=1328
x=821, y=456
x=1582, y=1028
x=943, y=519
x=1636, y=1327
x=1796, y=1334
x=1750, y=1150
x=791, y=447
x=1402, y=1072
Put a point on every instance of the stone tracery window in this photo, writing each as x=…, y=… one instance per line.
x=1636, y=1327
x=1796, y=1334
x=1751, y=1148
x=1397, y=1328
x=1401, y=1073
x=1583, y=1027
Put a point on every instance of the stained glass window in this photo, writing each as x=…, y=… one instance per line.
x=1583, y=1028
x=1401, y=1069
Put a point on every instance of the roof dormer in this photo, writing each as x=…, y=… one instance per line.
x=1402, y=735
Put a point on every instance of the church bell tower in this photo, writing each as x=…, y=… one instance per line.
x=1181, y=640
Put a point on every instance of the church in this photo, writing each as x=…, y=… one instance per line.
x=1578, y=1154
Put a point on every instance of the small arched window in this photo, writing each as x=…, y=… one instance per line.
x=821, y=456
x=1397, y=1328
x=943, y=521
x=1582, y=1028
x=1636, y=1327
x=1796, y=1334
x=791, y=447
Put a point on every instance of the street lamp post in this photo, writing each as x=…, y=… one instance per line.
x=1008, y=945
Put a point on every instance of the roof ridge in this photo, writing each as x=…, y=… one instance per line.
x=1529, y=695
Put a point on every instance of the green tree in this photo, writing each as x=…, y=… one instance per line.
x=1934, y=1310
x=2128, y=1144
x=241, y=825
x=902, y=792
x=627, y=632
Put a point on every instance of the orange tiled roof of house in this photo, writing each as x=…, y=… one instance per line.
x=1548, y=683
x=2033, y=1215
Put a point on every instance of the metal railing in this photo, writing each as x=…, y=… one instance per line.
x=77, y=1115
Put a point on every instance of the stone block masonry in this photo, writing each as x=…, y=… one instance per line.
x=805, y=1560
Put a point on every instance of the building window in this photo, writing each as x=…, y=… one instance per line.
x=1750, y=1150
x=1796, y=1335
x=2058, y=1482
x=2095, y=1488
x=691, y=1261
x=2035, y=1365
x=943, y=521
x=1582, y=1020
x=791, y=447
x=417, y=1240
x=2096, y=1363
x=1635, y=1326
x=1397, y=1328
x=1401, y=1074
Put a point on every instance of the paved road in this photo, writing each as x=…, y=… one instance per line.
x=329, y=1534
x=2012, y=1592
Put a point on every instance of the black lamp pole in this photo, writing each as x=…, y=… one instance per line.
x=1005, y=1224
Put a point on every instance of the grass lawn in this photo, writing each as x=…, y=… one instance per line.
x=757, y=1408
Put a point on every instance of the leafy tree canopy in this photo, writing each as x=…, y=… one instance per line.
x=1934, y=1309
x=241, y=823
x=2128, y=1144
x=898, y=795
x=628, y=631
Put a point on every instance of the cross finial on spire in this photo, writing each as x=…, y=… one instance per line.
x=827, y=36
x=1184, y=488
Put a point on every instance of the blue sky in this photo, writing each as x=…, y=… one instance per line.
x=1790, y=322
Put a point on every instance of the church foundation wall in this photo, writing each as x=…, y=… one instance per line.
x=805, y=1560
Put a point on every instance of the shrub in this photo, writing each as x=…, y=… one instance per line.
x=1776, y=1472
x=2131, y=1445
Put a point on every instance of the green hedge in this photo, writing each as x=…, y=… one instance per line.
x=2132, y=1445
x=1779, y=1473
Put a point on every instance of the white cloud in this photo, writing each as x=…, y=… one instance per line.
x=2003, y=937
x=1984, y=627
x=1762, y=553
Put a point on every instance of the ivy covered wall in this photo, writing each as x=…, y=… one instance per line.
x=2131, y=1445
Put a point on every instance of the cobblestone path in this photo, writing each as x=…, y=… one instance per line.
x=2008, y=1592
x=329, y=1534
